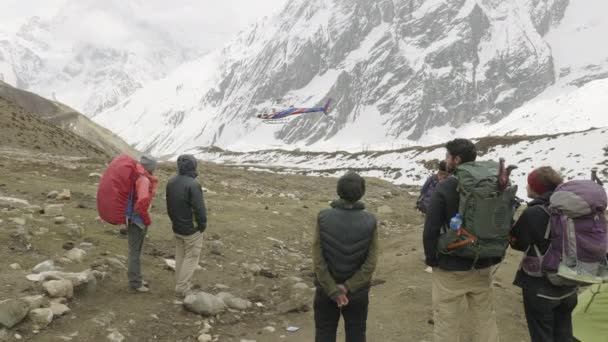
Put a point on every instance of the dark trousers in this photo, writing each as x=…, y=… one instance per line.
x=327, y=316
x=135, y=236
x=549, y=320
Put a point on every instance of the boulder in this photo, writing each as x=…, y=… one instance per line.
x=12, y=312
x=76, y=254
x=204, y=304
x=59, y=309
x=45, y=266
x=59, y=288
x=35, y=302
x=233, y=302
x=41, y=318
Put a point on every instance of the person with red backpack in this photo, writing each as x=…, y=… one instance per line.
x=138, y=220
x=124, y=196
x=559, y=216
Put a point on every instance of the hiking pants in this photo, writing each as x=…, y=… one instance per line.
x=327, y=317
x=135, y=236
x=549, y=320
x=187, y=254
x=450, y=289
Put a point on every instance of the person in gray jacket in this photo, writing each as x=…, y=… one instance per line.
x=186, y=208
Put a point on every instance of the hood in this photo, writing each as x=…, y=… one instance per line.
x=186, y=165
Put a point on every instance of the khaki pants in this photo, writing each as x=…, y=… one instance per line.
x=450, y=290
x=187, y=254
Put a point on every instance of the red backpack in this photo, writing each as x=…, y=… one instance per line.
x=117, y=183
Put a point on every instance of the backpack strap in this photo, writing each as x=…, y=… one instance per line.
x=548, y=231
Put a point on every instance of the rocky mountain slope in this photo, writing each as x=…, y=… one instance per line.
x=400, y=72
x=38, y=115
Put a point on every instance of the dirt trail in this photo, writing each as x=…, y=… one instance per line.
x=256, y=225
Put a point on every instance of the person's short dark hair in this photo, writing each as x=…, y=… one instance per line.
x=463, y=148
x=443, y=166
x=351, y=187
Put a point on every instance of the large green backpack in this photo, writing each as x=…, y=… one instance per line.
x=487, y=212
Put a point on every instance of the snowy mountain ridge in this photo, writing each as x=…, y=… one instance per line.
x=401, y=73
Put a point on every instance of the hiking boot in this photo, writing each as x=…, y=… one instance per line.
x=141, y=289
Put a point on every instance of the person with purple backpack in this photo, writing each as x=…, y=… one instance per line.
x=429, y=187
x=561, y=234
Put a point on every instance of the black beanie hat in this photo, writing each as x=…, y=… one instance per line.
x=351, y=187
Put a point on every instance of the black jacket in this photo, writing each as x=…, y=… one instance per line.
x=530, y=229
x=185, y=199
x=444, y=205
x=346, y=232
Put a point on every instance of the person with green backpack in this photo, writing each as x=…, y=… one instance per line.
x=466, y=233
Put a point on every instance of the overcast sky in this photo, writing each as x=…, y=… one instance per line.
x=204, y=21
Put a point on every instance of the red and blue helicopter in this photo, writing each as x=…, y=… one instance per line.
x=283, y=115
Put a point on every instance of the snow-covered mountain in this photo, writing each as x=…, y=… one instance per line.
x=93, y=54
x=401, y=73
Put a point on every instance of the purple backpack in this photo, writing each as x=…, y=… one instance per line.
x=426, y=193
x=579, y=237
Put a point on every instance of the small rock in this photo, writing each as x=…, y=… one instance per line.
x=291, y=306
x=254, y=268
x=270, y=329
x=35, y=302
x=268, y=274
x=19, y=221
x=64, y=195
x=205, y=338
x=86, y=245
x=41, y=231
x=76, y=255
x=68, y=246
x=59, y=220
x=115, y=336
x=11, y=202
x=296, y=279
x=116, y=264
x=15, y=266
x=217, y=247
x=221, y=287
x=41, y=317
x=95, y=175
x=429, y=270
x=300, y=286
x=233, y=302
x=59, y=288
x=45, y=266
x=53, y=210
x=4, y=336
x=52, y=195
x=204, y=304
x=12, y=312
x=74, y=231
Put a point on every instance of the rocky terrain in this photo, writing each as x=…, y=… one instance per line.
x=17, y=104
x=63, y=275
